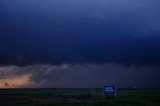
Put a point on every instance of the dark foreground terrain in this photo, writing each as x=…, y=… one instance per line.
x=78, y=97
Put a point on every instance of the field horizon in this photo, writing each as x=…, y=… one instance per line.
x=78, y=96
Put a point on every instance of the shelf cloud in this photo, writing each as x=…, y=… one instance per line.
x=68, y=76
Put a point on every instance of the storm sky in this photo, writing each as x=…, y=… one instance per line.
x=79, y=43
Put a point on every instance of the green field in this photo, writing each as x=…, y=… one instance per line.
x=78, y=97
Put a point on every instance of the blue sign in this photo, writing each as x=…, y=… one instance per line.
x=110, y=90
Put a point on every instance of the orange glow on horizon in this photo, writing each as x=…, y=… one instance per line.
x=15, y=81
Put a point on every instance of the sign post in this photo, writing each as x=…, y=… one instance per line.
x=110, y=90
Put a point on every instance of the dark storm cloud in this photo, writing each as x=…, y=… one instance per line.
x=79, y=31
x=89, y=75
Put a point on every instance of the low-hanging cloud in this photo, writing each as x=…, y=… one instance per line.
x=78, y=75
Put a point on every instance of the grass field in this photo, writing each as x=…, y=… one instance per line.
x=78, y=97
